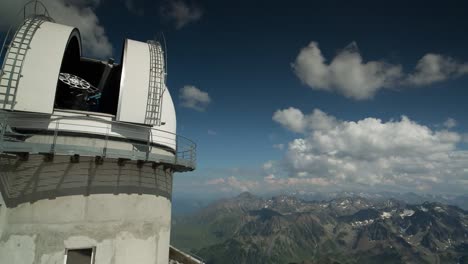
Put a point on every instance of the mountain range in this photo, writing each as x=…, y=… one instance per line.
x=287, y=229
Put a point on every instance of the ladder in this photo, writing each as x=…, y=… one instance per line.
x=156, y=84
x=10, y=74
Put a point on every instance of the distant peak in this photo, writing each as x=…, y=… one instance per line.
x=246, y=195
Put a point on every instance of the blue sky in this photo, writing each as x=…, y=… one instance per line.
x=270, y=73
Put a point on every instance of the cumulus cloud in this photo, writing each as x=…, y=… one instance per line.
x=291, y=118
x=180, y=12
x=77, y=13
x=435, y=68
x=450, y=123
x=348, y=74
x=194, y=98
x=233, y=183
x=373, y=152
x=294, y=120
x=215, y=181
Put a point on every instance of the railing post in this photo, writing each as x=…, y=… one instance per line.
x=148, y=145
x=104, y=150
x=54, y=142
x=2, y=135
x=176, y=149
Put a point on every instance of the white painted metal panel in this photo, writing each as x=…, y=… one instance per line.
x=36, y=89
x=134, y=84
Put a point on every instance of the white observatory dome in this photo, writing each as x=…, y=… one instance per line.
x=36, y=65
x=141, y=88
x=88, y=150
x=89, y=90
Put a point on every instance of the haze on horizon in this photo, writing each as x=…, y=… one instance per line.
x=330, y=96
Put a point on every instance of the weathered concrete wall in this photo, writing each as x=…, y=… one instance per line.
x=38, y=178
x=124, y=210
x=3, y=213
x=124, y=228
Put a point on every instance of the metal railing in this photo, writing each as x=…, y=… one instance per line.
x=94, y=136
x=182, y=257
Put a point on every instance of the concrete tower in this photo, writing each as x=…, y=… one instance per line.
x=88, y=149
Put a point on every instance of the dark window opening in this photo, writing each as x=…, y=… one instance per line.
x=80, y=256
x=110, y=93
x=87, y=84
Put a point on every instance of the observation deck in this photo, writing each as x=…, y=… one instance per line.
x=76, y=133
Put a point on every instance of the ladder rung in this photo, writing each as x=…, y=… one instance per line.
x=10, y=73
x=19, y=43
x=11, y=87
x=12, y=65
x=23, y=36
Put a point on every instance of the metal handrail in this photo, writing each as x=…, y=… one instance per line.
x=13, y=135
x=192, y=256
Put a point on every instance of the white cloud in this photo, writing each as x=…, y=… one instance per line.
x=291, y=118
x=295, y=182
x=465, y=137
x=278, y=146
x=435, y=68
x=399, y=153
x=242, y=185
x=268, y=165
x=450, y=123
x=233, y=183
x=180, y=12
x=267, y=184
x=133, y=7
x=215, y=181
x=294, y=120
x=93, y=3
x=194, y=98
x=77, y=13
x=348, y=74
x=212, y=132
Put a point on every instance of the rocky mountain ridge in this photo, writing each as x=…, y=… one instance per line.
x=286, y=229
